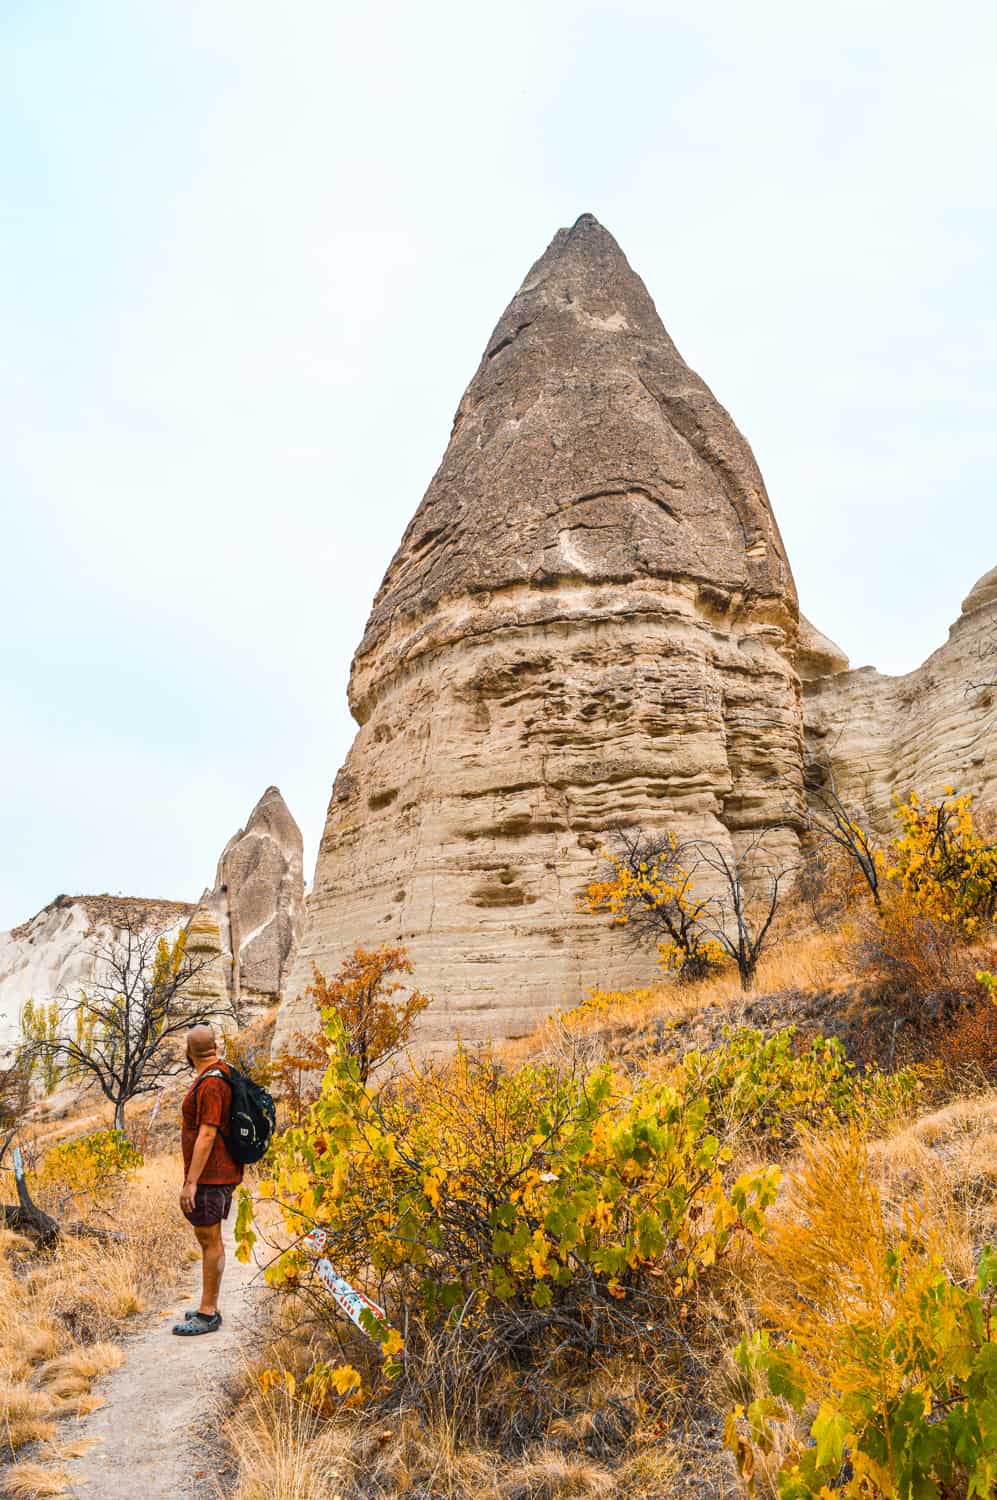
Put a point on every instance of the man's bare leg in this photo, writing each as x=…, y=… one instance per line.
x=212, y=1265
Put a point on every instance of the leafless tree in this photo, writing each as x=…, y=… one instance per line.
x=739, y=917
x=830, y=818
x=122, y=1034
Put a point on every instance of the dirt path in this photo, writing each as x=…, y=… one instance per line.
x=143, y=1448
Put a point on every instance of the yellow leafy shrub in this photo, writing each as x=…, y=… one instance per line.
x=494, y=1209
x=90, y=1164
x=944, y=862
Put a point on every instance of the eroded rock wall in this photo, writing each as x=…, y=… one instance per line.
x=932, y=728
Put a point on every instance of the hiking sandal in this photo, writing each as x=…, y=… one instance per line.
x=192, y=1327
x=195, y=1312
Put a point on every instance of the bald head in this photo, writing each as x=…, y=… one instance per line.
x=201, y=1044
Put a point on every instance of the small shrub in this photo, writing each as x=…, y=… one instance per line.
x=889, y=1361
x=772, y=1087
x=90, y=1164
x=943, y=861
x=373, y=1010
x=967, y=1047
x=926, y=961
x=937, y=909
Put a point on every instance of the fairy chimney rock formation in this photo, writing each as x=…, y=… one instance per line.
x=258, y=901
x=590, y=621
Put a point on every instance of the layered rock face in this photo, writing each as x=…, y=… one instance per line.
x=935, y=727
x=257, y=902
x=55, y=951
x=589, y=622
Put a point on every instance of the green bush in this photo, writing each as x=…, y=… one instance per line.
x=771, y=1087
x=906, y=1403
x=517, y=1212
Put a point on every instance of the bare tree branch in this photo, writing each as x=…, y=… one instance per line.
x=122, y=1033
x=831, y=819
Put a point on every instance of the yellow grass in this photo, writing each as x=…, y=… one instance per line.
x=33, y=1481
x=807, y=961
x=61, y=1311
x=285, y=1452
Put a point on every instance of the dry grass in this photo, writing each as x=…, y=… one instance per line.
x=33, y=1481
x=282, y=1448
x=945, y=1164
x=61, y=1311
x=285, y=1452
x=810, y=961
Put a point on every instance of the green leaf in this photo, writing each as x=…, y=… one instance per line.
x=784, y=1380
x=986, y=1271
x=830, y=1429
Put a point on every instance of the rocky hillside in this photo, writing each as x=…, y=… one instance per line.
x=932, y=728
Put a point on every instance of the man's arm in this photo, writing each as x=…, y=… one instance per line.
x=202, y=1150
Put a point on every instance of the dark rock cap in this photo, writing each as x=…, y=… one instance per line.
x=585, y=448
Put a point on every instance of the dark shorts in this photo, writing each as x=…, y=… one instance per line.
x=211, y=1205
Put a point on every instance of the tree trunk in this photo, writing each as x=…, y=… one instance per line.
x=119, y=1114
x=27, y=1215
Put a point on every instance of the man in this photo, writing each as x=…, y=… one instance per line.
x=210, y=1174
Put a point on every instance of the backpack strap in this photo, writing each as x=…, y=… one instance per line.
x=211, y=1073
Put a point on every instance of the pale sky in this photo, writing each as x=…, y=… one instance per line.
x=250, y=256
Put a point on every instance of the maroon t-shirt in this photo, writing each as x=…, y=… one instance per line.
x=209, y=1104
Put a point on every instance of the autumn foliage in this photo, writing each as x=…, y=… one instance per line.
x=547, y=1213
x=649, y=890
x=374, y=1010
x=374, y=1014
x=881, y=1365
x=932, y=936
x=945, y=864
x=87, y=1167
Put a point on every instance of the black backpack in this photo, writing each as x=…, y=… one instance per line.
x=252, y=1117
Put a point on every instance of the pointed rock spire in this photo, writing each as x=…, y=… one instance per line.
x=584, y=448
x=590, y=621
x=258, y=900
